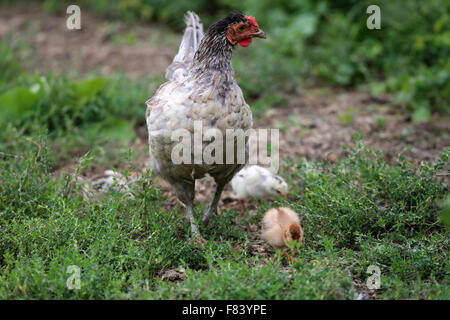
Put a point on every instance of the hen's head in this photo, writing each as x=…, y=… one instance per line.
x=238, y=28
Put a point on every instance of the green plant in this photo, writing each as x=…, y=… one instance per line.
x=356, y=213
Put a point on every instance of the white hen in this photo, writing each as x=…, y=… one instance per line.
x=201, y=89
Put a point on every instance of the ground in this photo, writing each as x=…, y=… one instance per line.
x=314, y=125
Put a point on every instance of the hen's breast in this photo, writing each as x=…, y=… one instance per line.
x=187, y=105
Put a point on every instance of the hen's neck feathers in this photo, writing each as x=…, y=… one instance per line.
x=213, y=54
x=211, y=67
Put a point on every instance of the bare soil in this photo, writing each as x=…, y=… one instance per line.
x=101, y=45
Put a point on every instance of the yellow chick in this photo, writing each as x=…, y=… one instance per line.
x=281, y=225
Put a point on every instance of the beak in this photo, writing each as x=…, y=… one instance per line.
x=259, y=34
x=285, y=196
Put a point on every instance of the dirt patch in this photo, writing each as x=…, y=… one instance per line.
x=172, y=275
x=100, y=45
x=316, y=126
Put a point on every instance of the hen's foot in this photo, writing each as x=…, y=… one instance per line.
x=196, y=238
x=208, y=215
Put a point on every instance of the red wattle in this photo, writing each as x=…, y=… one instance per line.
x=245, y=42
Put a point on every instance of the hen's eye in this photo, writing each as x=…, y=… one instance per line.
x=241, y=28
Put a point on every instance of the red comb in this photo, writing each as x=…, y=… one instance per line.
x=252, y=21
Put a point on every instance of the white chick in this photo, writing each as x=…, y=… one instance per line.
x=257, y=182
x=279, y=226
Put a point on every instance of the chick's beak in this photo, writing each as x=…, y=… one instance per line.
x=259, y=34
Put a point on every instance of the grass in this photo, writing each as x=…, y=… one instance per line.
x=357, y=213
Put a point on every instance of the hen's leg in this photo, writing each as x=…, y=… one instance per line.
x=213, y=206
x=196, y=237
x=185, y=191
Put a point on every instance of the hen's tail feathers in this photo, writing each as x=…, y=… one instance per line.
x=193, y=34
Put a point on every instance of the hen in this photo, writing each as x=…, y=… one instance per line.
x=201, y=88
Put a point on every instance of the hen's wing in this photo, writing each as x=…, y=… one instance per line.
x=192, y=36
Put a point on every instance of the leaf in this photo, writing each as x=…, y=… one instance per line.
x=377, y=88
x=16, y=102
x=422, y=114
x=113, y=129
x=40, y=87
x=119, y=129
x=348, y=117
x=304, y=24
x=87, y=89
x=446, y=212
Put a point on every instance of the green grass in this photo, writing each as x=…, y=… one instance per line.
x=357, y=213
